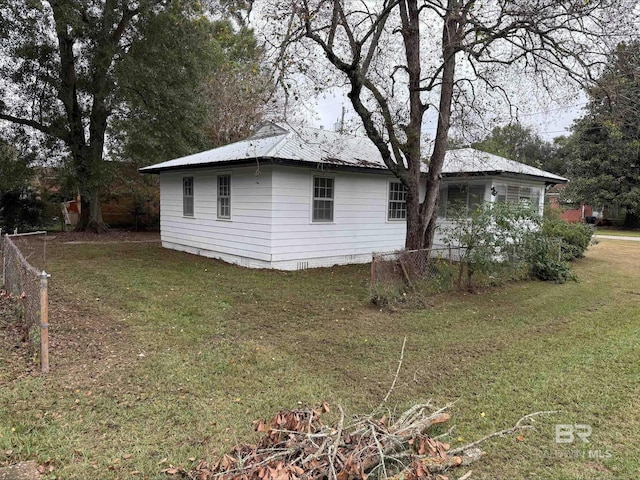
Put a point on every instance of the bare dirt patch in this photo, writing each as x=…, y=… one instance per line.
x=21, y=471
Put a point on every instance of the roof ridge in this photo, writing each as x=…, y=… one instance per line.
x=273, y=151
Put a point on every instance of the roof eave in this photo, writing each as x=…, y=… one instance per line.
x=271, y=160
x=328, y=166
x=496, y=173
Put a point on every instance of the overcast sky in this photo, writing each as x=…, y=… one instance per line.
x=550, y=122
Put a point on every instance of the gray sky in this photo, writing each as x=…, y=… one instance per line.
x=550, y=122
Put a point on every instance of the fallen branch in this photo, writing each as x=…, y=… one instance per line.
x=395, y=377
x=296, y=445
x=508, y=431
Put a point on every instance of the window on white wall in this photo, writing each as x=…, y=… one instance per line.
x=224, y=196
x=323, y=195
x=458, y=197
x=397, y=201
x=187, y=196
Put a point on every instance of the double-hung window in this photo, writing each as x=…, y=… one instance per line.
x=323, y=195
x=187, y=196
x=397, y=201
x=224, y=196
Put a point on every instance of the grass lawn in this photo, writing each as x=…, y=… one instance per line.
x=160, y=357
x=617, y=232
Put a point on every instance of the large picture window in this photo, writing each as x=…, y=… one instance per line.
x=187, y=196
x=323, y=194
x=224, y=196
x=460, y=198
x=397, y=201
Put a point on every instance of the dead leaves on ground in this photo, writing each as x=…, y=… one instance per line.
x=297, y=445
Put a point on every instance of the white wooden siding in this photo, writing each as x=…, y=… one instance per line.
x=359, y=225
x=246, y=234
x=271, y=217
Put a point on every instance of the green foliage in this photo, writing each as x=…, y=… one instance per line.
x=19, y=206
x=96, y=77
x=14, y=169
x=166, y=110
x=574, y=238
x=494, y=239
x=505, y=241
x=604, y=147
x=558, y=243
x=523, y=144
x=21, y=211
x=545, y=263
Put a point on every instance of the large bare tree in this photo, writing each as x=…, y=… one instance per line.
x=400, y=58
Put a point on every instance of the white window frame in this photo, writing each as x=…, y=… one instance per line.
x=222, y=198
x=395, y=205
x=188, y=196
x=315, y=199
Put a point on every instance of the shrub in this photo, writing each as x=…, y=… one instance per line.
x=21, y=211
x=574, y=237
x=493, y=238
x=544, y=263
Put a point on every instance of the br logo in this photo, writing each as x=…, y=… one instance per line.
x=567, y=433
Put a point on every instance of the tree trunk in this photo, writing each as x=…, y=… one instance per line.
x=91, y=215
x=430, y=231
x=450, y=44
x=412, y=149
x=415, y=226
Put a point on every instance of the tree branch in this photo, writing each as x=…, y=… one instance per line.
x=35, y=125
x=515, y=428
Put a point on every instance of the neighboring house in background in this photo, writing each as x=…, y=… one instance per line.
x=128, y=201
x=570, y=212
x=299, y=198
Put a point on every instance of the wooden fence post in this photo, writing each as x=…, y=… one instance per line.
x=44, y=322
x=372, y=280
x=4, y=259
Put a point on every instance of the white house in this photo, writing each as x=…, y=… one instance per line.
x=299, y=198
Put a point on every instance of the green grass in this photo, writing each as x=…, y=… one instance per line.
x=617, y=232
x=161, y=357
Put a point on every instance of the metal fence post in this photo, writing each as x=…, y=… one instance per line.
x=44, y=322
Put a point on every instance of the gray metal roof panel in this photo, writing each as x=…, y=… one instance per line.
x=316, y=146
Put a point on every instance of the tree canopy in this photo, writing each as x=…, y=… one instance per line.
x=19, y=206
x=460, y=58
x=605, y=144
x=523, y=144
x=105, y=79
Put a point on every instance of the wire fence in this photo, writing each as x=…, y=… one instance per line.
x=25, y=278
x=397, y=275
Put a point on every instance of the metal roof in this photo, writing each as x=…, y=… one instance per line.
x=322, y=147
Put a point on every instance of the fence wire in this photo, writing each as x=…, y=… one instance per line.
x=427, y=272
x=23, y=275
